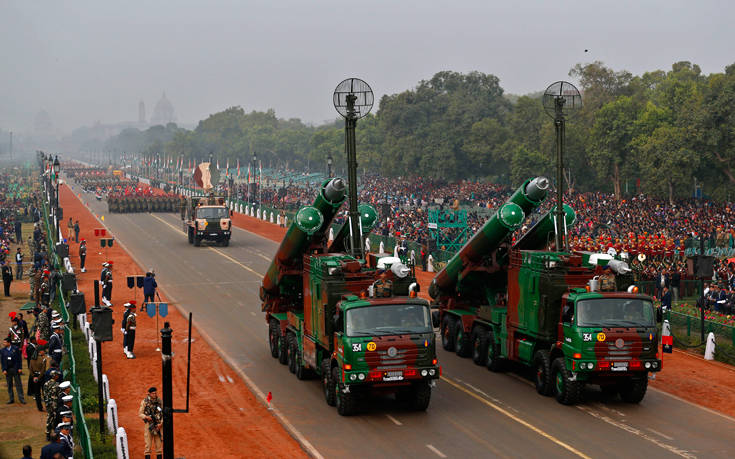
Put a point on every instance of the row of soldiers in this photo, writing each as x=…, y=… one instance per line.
x=93, y=182
x=120, y=203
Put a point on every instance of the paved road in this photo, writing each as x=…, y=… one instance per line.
x=473, y=412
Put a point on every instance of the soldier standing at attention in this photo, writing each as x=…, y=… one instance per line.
x=70, y=227
x=50, y=398
x=127, y=307
x=151, y=412
x=55, y=345
x=129, y=325
x=82, y=255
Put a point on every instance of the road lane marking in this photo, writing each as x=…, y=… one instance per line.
x=516, y=418
x=660, y=434
x=630, y=429
x=395, y=421
x=247, y=268
x=436, y=451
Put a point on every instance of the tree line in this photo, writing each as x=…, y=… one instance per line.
x=656, y=133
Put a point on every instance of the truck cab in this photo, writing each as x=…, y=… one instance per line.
x=207, y=219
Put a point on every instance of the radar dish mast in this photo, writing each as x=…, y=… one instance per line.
x=560, y=100
x=353, y=99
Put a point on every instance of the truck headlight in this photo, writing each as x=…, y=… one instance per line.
x=353, y=377
x=432, y=372
x=424, y=373
x=647, y=365
x=361, y=376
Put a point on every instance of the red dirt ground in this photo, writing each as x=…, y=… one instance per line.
x=217, y=416
x=688, y=376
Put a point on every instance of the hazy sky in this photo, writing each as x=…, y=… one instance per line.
x=85, y=61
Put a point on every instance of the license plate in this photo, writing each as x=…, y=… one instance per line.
x=393, y=376
x=620, y=366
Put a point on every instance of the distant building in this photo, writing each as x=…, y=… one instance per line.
x=163, y=112
x=141, y=113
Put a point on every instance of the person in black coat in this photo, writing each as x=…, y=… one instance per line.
x=666, y=299
x=55, y=446
x=7, y=277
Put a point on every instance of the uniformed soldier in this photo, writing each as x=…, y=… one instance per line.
x=50, y=399
x=122, y=326
x=151, y=412
x=55, y=344
x=66, y=439
x=129, y=326
x=43, y=325
x=64, y=404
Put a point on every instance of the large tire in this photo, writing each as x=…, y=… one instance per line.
x=226, y=242
x=274, y=330
x=421, y=396
x=301, y=372
x=292, y=351
x=447, y=331
x=190, y=234
x=633, y=390
x=479, y=346
x=494, y=362
x=542, y=372
x=567, y=391
x=346, y=401
x=282, y=350
x=328, y=384
x=197, y=241
x=462, y=342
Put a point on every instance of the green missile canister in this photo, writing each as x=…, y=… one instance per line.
x=508, y=218
x=541, y=235
x=310, y=224
x=368, y=217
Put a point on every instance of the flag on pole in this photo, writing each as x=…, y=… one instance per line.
x=238, y=167
x=227, y=169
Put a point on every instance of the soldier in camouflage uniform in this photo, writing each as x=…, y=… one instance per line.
x=50, y=398
x=43, y=325
x=152, y=415
x=32, y=280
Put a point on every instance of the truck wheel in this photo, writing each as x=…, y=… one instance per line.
x=328, y=384
x=494, y=361
x=274, y=330
x=346, y=401
x=282, y=350
x=301, y=372
x=542, y=372
x=447, y=331
x=462, y=343
x=567, y=392
x=421, y=396
x=292, y=349
x=197, y=241
x=191, y=236
x=226, y=242
x=479, y=346
x=634, y=389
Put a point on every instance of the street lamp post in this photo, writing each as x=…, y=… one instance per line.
x=329, y=166
x=255, y=171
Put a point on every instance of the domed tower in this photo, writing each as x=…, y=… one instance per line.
x=163, y=112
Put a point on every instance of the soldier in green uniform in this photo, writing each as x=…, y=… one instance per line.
x=43, y=325
x=50, y=399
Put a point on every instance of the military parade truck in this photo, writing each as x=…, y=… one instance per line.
x=573, y=317
x=207, y=218
x=356, y=324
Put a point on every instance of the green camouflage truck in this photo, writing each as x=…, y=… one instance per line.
x=355, y=324
x=573, y=317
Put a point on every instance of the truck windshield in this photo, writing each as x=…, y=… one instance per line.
x=388, y=320
x=212, y=212
x=615, y=312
